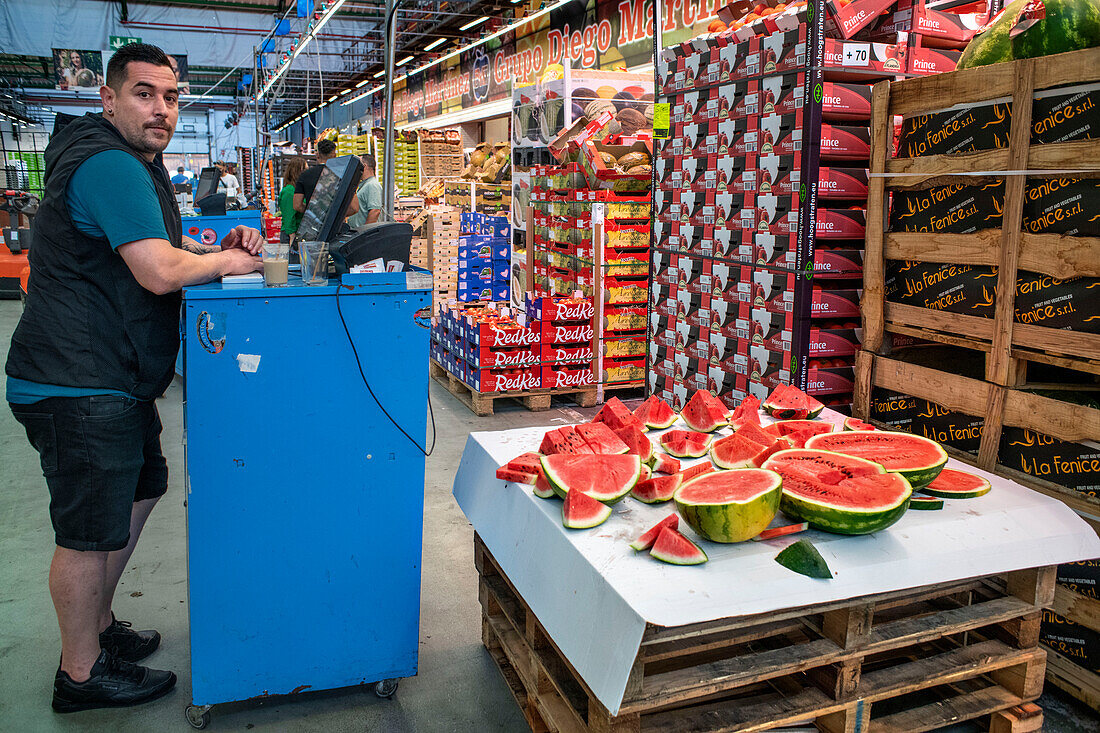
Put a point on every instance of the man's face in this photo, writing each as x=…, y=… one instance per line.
x=145, y=107
x=75, y=61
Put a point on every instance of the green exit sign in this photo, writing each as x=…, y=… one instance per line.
x=117, y=42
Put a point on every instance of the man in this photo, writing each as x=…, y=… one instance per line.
x=95, y=346
x=303, y=189
x=180, y=177
x=228, y=182
x=369, y=196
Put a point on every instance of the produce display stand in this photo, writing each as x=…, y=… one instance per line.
x=932, y=621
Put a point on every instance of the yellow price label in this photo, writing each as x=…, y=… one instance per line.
x=662, y=112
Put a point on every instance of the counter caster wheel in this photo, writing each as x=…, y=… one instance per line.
x=197, y=715
x=386, y=688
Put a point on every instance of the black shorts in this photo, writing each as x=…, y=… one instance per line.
x=99, y=455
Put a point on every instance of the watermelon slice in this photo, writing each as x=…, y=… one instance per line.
x=787, y=529
x=734, y=451
x=704, y=412
x=919, y=460
x=955, y=484
x=664, y=463
x=787, y=402
x=601, y=439
x=928, y=503
x=657, y=490
x=747, y=412
x=617, y=415
x=516, y=476
x=685, y=443
x=646, y=472
x=543, y=489
x=604, y=478
x=581, y=511
x=730, y=506
x=789, y=427
x=697, y=470
x=563, y=440
x=655, y=413
x=803, y=558
x=757, y=434
x=779, y=445
x=636, y=442
x=851, y=423
x=650, y=535
x=675, y=549
x=528, y=462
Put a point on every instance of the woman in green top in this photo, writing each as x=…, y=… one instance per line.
x=291, y=218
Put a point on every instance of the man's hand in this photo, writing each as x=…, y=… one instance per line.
x=239, y=261
x=242, y=237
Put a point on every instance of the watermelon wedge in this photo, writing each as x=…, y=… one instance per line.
x=604, y=478
x=657, y=490
x=851, y=423
x=927, y=503
x=772, y=532
x=685, y=443
x=697, y=470
x=650, y=535
x=791, y=427
x=617, y=415
x=646, y=472
x=636, y=442
x=601, y=439
x=704, y=412
x=803, y=558
x=664, y=463
x=760, y=458
x=675, y=549
x=543, y=489
x=655, y=413
x=919, y=460
x=747, y=412
x=955, y=484
x=563, y=440
x=787, y=402
x=516, y=476
x=529, y=462
x=734, y=451
x=730, y=506
x=581, y=511
x=757, y=434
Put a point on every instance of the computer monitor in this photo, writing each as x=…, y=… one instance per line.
x=327, y=207
x=208, y=183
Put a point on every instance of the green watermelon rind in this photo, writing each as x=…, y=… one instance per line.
x=985, y=488
x=803, y=558
x=700, y=454
x=925, y=503
x=1069, y=25
x=917, y=476
x=611, y=498
x=993, y=46
x=735, y=521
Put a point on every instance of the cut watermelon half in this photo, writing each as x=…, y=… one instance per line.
x=851, y=423
x=617, y=415
x=650, y=535
x=655, y=413
x=606, y=478
x=675, y=549
x=664, y=463
x=516, y=476
x=601, y=439
x=748, y=412
x=636, y=442
x=916, y=458
x=658, y=489
x=955, y=484
x=685, y=443
x=734, y=451
x=704, y=412
x=581, y=511
x=730, y=506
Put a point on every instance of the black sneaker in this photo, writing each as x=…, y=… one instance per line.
x=113, y=684
x=125, y=643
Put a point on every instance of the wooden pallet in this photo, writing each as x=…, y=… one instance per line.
x=901, y=662
x=1008, y=344
x=481, y=403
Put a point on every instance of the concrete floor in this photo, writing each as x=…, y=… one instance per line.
x=457, y=689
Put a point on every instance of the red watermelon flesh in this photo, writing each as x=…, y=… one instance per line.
x=664, y=463
x=685, y=443
x=734, y=451
x=704, y=412
x=672, y=547
x=636, y=443
x=601, y=439
x=787, y=403
x=581, y=511
x=758, y=435
x=787, y=427
x=655, y=413
x=617, y=415
x=650, y=535
x=748, y=412
x=851, y=423
x=563, y=440
x=697, y=470
x=606, y=478
x=528, y=462
x=543, y=489
x=798, y=438
x=759, y=458
x=658, y=489
x=520, y=477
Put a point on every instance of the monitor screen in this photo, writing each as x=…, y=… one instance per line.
x=208, y=183
x=331, y=196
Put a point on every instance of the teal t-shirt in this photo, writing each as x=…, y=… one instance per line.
x=370, y=197
x=111, y=196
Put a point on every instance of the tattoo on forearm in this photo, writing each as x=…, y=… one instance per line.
x=201, y=249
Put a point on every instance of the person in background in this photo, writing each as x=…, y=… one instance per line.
x=291, y=217
x=180, y=177
x=228, y=182
x=369, y=196
x=303, y=189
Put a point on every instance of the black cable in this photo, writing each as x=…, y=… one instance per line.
x=359, y=364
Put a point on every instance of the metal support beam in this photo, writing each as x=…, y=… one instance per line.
x=387, y=165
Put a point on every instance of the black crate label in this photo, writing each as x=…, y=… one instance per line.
x=1074, y=465
x=979, y=127
x=954, y=208
x=1062, y=206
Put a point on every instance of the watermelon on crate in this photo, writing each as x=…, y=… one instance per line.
x=916, y=458
x=787, y=402
x=581, y=511
x=650, y=535
x=656, y=490
x=992, y=45
x=704, y=412
x=730, y=506
x=852, y=423
x=601, y=439
x=734, y=451
x=748, y=412
x=675, y=549
x=655, y=413
x=617, y=415
x=685, y=443
x=839, y=493
x=636, y=442
x=803, y=558
x=606, y=478
x=955, y=484
x=515, y=475
x=664, y=463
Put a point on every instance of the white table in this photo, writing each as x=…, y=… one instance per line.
x=594, y=595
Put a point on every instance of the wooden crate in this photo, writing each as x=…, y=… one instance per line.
x=481, y=403
x=1008, y=344
x=901, y=662
x=1062, y=671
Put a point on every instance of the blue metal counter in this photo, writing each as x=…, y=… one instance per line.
x=211, y=229
x=304, y=502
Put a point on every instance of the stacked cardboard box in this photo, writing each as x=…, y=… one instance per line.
x=484, y=258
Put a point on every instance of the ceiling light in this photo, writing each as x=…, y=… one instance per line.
x=345, y=91
x=378, y=75
x=404, y=61
x=333, y=97
x=305, y=40
x=435, y=43
x=361, y=84
x=473, y=23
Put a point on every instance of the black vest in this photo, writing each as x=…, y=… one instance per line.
x=87, y=321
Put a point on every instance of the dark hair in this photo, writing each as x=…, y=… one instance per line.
x=369, y=161
x=326, y=148
x=180, y=169
x=294, y=168
x=142, y=52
